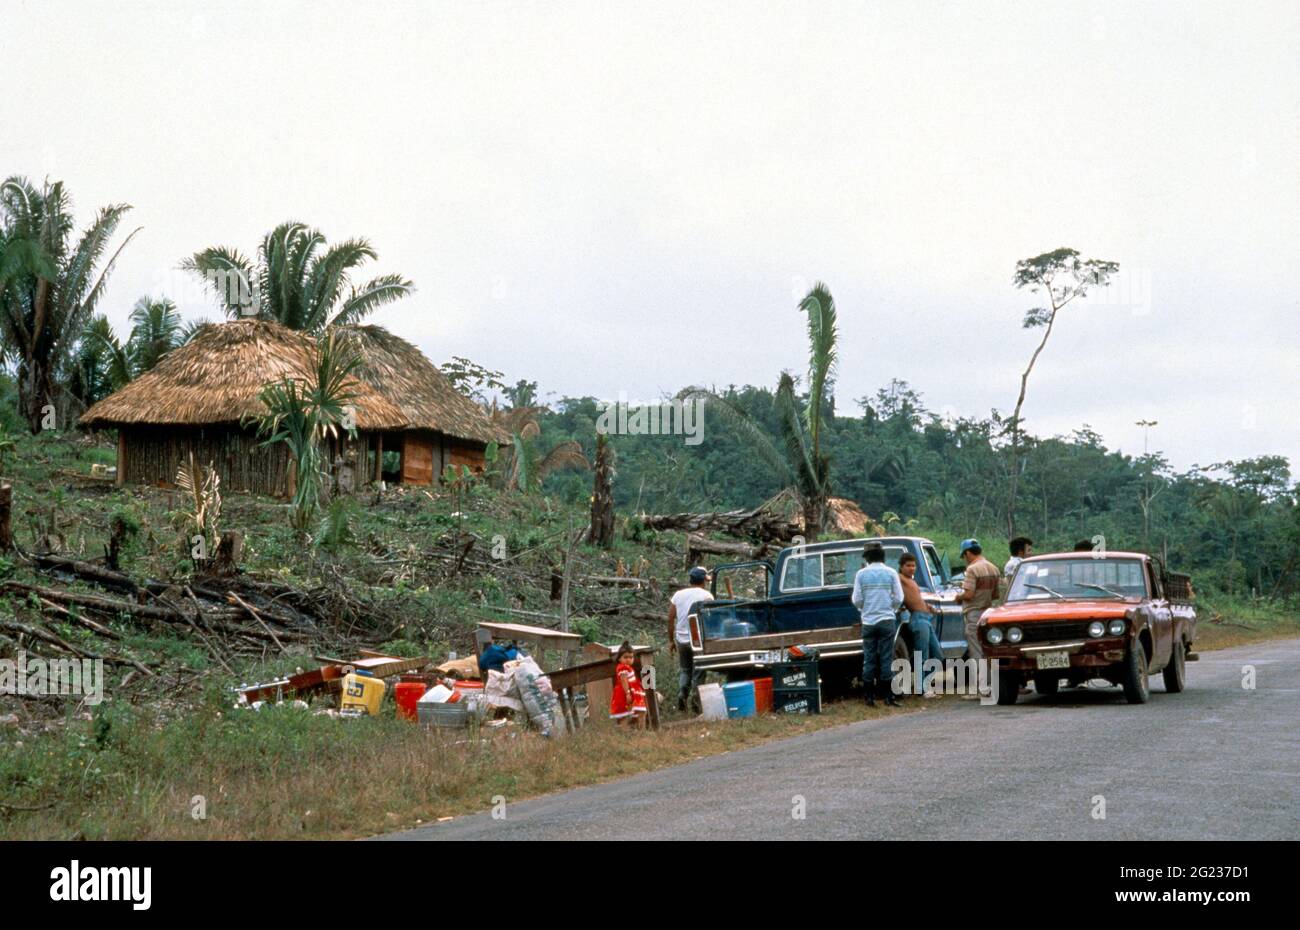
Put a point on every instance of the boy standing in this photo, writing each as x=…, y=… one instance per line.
x=924, y=638
x=1022, y=547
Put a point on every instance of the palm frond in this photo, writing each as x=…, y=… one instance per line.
x=819, y=305
x=372, y=295
x=229, y=275
x=74, y=285
x=746, y=425
x=805, y=469
x=567, y=454
x=329, y=278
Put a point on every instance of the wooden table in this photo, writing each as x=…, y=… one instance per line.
x=565, y=681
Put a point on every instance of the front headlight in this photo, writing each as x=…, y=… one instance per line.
x=1014, y=635
x=1116, y=627
x=994, y=635
x=1096, y=629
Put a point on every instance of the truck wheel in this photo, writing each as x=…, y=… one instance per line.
x=1175, y=673
x=1008, y=687
x=1136, y=682
x=1047, y=683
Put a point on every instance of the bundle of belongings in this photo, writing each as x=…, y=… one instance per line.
x=520, y=686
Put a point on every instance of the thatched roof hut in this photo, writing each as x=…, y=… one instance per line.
x=426, y=398
x=195, y=399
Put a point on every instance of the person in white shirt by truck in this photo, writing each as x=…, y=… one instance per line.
x=679, y=635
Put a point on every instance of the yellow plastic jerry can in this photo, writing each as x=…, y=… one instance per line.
x=362, y=693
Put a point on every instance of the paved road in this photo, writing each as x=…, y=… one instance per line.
x=1216, y=762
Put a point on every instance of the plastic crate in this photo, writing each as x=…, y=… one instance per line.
x=801, y=674
x=797, y=700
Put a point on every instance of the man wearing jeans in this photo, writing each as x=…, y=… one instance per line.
x=925, y=641
x=878, y=594
x=679, y=635
x=980, y=587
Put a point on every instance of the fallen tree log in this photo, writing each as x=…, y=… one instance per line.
x=88, y=571
x=759, y=524
x=46, y=636
x=166, y=614
x=697, y=545
x=71, y=617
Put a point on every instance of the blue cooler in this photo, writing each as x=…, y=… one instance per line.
x=740, y=699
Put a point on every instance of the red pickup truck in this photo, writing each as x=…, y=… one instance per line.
x=1075, y=616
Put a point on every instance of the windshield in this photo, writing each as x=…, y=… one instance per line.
x=1074, y=578
x=829, y=569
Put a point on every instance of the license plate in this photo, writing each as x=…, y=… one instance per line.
x=1053, y=659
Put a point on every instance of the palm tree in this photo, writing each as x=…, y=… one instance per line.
x=305, y=416
x=522, y=466
x=103, y=364
x=298, y=280
x=798, y=456
x=49, y=285
x=100, y=366
x=156, y=329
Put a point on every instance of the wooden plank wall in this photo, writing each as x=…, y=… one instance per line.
x=418, y=454
x=153, y=455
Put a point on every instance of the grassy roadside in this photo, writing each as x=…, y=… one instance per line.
x=132, y=767
x=288, y=774
x=1225, y=622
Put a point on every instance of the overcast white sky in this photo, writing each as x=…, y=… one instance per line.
x=632, y=197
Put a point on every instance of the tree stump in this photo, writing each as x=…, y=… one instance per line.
x=6, y=517
x=230, y=551
x=602, y=496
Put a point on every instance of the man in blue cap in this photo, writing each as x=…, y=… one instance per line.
x=681, y=607
x=980, y=587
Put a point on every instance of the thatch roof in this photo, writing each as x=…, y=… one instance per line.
x=217, y=376
x=426, y=398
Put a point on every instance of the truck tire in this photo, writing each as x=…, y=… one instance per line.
x=1175, y=673
x=1047, y=683
x=1136, y=682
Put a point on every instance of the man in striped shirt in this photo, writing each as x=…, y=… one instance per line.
x=878, y=594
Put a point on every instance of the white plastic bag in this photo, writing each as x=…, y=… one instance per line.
x=500, y=690
x=540, y=702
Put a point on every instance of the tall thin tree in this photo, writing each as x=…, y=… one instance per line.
x=1063, y=277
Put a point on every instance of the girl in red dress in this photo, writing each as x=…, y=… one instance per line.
x=627, y=703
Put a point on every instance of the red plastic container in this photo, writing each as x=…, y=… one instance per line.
x=407, y=694
x=763, y=695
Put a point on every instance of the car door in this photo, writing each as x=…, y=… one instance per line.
x=1162, y=619
x=949, y=626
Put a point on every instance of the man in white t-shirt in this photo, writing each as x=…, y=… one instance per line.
x=679, y=635
x=1022, y=547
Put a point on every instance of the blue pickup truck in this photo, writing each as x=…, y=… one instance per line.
x=809, y=588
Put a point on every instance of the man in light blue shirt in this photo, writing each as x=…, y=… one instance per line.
x=878, y=594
